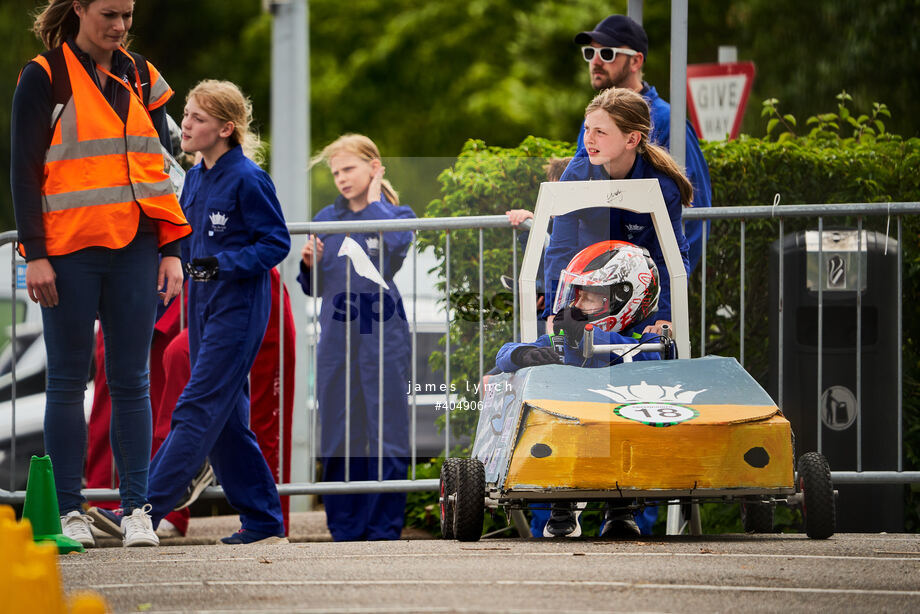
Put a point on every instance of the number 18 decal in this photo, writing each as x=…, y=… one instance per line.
x=656, y=414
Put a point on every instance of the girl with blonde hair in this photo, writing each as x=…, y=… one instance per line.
x=359, y=318
x=240, y=235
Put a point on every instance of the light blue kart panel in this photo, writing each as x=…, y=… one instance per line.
x=710, y=380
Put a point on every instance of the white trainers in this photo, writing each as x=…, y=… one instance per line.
x=77, y=525
x=138, y=528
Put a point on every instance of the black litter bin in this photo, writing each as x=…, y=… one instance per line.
x=860, y=507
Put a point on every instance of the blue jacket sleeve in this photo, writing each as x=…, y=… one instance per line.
x=269, y=238
x=574, y=356
x=30, y=137
x=395, y=243
x=305, y=277
x=698, y=173
x=580, y=150
x=503, y=357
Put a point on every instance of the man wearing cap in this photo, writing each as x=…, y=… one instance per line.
x=616, y=50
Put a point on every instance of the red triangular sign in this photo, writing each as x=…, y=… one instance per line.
x=717, y=95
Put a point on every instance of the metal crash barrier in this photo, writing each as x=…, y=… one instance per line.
x=894, y=474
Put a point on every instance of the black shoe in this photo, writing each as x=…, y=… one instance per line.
x=619, y=523
x=107, y=521
x=202, y=480
x=563, y=520
x=244, y=537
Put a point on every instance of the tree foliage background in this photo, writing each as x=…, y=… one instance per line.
x=421, y=77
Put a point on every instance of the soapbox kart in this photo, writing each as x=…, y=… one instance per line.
x=674, y=432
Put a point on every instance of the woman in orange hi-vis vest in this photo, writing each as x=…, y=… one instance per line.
x=99, y=226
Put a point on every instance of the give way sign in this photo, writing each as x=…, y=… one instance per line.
x=717, y=94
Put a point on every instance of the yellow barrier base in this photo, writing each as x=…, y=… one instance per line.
x=30, y=581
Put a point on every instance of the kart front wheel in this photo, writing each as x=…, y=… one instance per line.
x=448, y=488
x=818, y=509
x=469, y=505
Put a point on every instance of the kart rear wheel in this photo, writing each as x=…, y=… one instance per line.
x=818, y=509
x=448, y=490
x=757, y=516
x=469, y=506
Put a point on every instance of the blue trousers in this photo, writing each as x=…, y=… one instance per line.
x=364, y=516
x=227, y=322
x=367, y=516
x=120, y=286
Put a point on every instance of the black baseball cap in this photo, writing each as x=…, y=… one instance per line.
x=616, y=31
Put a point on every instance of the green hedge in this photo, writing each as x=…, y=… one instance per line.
x=822, y=167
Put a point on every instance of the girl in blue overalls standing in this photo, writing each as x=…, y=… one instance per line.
x=239, y=235
x=364, y=195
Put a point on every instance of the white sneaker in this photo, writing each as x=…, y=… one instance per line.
x=77, y=525
x=167, y=529
x=138, y=528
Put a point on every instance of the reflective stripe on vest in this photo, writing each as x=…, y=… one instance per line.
x=71, y=150
x=106, y=196
x=96, y=160
x=158, y=88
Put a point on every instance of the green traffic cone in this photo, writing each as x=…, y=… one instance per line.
x=41, y=507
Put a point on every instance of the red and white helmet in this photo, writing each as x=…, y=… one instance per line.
x=623, y=273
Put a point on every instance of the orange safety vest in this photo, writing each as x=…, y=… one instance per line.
x=98, y=169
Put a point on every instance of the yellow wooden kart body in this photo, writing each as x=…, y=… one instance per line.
x=678, y=428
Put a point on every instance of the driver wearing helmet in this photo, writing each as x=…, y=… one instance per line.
x=612, y=285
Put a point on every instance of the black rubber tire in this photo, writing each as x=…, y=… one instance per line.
x=818, y=506
x=469, y=506
x=448, y=489
x=757, y=517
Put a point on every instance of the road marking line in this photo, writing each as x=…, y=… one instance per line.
x=557, y=583
x=468, y=554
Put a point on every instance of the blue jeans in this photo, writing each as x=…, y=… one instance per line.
x=120, y=286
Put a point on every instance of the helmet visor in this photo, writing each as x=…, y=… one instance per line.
x=568, y=282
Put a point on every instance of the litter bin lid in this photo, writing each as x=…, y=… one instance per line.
x=836, y=241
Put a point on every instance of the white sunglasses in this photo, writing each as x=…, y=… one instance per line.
x=608, y=54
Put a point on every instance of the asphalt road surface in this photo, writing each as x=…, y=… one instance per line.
x=775, y=573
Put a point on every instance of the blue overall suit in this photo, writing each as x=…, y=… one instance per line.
x=697, y=169
x=236, y=218
x=362, y=516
